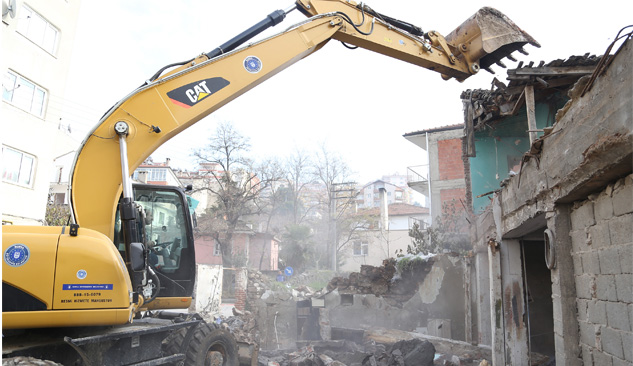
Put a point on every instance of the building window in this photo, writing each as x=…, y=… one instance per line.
x=23, y=93
x=59, y=198
x=153, y=175
x=361, y=248
x=37, y=29
x=157, y=175
x=17, y=167
x=216, y=249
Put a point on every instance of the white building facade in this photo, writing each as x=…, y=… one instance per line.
x=37, y=41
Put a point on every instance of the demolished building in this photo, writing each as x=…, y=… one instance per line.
x=550, y=278
x=553, y=242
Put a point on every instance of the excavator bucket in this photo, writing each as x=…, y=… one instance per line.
x=489, y=36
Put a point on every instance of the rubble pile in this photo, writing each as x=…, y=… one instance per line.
x=412, y=352
x=370, y=280
x=386, y=281
x=257, y=284
x=242, y=325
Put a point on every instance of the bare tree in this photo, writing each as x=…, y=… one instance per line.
x=236, y=185
x=339, y=197
x=299, y=176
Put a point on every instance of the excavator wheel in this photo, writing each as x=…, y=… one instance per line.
x=28, y=361
x=209, y=346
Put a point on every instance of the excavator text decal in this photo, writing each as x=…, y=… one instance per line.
x=189, y=95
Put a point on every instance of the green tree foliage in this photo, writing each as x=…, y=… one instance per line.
x=56, y=215
x=449, y=233
x=297, y=247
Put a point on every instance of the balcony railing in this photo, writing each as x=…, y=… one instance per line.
x=418, y=178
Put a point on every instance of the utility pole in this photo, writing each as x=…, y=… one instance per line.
x=337, y=189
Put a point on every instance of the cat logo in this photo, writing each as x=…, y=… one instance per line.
x=191, y=94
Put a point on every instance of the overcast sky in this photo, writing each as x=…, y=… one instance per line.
x=356, y=102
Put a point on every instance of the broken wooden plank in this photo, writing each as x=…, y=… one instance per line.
x=553, y=71
x=519, y=103
x=531, y=112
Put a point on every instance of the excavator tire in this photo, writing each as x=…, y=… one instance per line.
x=209, y=346
x=27, y=361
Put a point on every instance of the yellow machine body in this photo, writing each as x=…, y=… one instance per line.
x=56, y=279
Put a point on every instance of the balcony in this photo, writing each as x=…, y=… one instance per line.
x=418, y=179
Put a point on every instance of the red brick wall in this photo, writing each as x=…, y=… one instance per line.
x=241, y=283
x=451, y=164
x=453, y=197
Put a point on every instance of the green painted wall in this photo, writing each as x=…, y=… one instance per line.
x=501, y=146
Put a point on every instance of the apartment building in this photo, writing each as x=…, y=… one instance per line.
x=444, y=179
x=37, y=42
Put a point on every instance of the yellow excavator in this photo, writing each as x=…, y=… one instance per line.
x=89, y=293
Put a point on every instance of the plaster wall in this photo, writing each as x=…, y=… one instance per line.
x=381, y=245
x=208, y=289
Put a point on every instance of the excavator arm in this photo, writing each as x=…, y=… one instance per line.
x=175, y=99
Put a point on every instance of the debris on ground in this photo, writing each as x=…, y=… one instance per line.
x=408, y=352
x=242, y=325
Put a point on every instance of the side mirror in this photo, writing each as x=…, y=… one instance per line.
x=137, y=257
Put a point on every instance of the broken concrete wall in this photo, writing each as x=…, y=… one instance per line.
x=427, y=296
x=276, y=315
x=208, y=289
x=434, y=299
x=275, y=312
x=569, y=190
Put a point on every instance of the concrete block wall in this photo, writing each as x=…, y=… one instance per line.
x=602, y=253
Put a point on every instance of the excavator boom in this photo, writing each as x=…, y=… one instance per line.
x=176, y=99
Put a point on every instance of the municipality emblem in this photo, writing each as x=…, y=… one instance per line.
x=252, y=64
x=16, y=255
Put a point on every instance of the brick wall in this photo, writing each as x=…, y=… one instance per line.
x=602, y=251
x=241, y=284
x=469, y=188
x=451, y=164
x=452, y=197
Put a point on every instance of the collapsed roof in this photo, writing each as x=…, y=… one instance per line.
x=506, y=100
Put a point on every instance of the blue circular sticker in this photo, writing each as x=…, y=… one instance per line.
x=81, y=274
x=16, y=255
x=253, y=64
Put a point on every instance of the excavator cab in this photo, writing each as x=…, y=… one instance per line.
x=164, y=227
